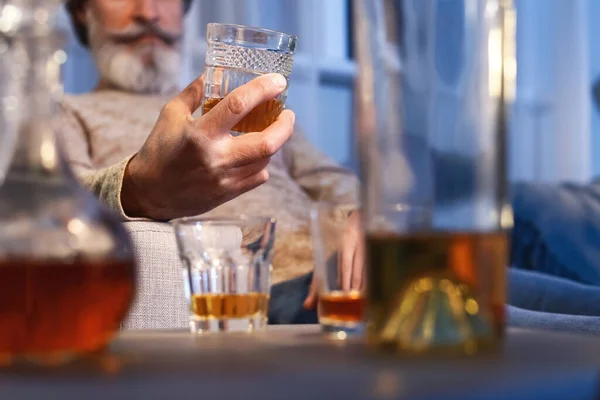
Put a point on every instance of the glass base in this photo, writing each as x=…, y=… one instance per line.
x=342, y=330
x=228, y=325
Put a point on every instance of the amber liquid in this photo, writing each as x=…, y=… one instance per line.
x=257, y=120
x=225, y=306
x=436, y=292
x=56, y=308
x=341, y=308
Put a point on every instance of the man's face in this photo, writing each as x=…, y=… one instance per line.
x=136, y=42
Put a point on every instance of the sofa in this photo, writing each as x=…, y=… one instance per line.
x=160, y=301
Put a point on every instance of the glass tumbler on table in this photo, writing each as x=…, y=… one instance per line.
x=338, y=244
x=436, y=82
x=226, y=271
x=237, y=54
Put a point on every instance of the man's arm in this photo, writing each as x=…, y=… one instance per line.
x=105, y=183
x=322, y=178
x=187, y=166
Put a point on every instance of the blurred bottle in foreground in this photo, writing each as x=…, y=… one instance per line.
x=436, y=79
x=67, y=273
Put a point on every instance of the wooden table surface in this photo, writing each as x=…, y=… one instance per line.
x=298, y=363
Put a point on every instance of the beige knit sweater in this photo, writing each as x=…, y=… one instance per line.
x=102, y=130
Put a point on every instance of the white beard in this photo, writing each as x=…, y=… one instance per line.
x=123, y=67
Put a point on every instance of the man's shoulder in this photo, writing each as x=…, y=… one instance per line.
x=113, y=103
x=74, y=102
x=73, y=99
x=93, y=105
x=81, y=108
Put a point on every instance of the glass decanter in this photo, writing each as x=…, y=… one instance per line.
x=67, y=271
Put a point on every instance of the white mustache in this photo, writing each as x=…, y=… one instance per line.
x=136, y=30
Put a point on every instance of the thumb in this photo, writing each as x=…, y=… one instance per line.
x=191, y=97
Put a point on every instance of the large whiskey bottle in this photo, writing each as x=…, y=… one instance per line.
x=436, y=79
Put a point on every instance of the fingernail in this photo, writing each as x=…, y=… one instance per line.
x=279, y=80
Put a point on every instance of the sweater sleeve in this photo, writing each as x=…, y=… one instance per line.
x=320, y=177
x=105, y=183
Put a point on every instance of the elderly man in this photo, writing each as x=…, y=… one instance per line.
x=134, y=142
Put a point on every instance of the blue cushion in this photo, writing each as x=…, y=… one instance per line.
x=542, y=292
x=557, y=230
x=521, y=318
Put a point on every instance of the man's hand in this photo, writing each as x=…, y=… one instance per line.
x=189, y=166
x=350, y=260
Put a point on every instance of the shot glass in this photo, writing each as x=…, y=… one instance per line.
x=226, y=271
x=237, y=54
x=338, y=243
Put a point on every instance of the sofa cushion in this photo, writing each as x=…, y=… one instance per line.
x=160, y=300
